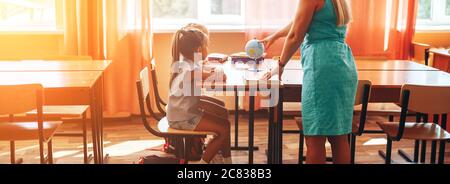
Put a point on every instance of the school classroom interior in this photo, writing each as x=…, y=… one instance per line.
x=87, y=81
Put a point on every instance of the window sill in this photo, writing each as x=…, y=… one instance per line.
x=28, y=32
x=420, y=29
x=211, y=28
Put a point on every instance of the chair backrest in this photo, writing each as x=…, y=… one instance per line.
x=144, y=78
x=362, y=92
x=420, y=52
x=17, y=99
x=154, y=79
x=428, y=99
x=143, y=89
x=362, y=98
x=69, y=58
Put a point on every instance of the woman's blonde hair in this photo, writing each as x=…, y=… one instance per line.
x=343, y=12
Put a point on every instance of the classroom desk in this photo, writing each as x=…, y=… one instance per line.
x=375, y=65
x=386, y=88
x=41, y=65
x=239, y=81
x=65, y=83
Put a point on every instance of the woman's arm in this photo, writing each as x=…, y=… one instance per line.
x=268, y=41
x=300, y=26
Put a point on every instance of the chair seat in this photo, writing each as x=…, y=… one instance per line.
x=62, y=111
x=21, y=131
x=355, y=124
x=370, y=120
x=381, y=109
x=163, y=127
x=416, y=131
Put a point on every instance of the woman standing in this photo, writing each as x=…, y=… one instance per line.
x=330, y=77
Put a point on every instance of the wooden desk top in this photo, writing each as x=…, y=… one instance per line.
x=239, y=75
x=382, y=79
x=75, y=79
x=375, y=65
x=40, y=65
x=444, y=52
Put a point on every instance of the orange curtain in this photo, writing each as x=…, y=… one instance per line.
x=117, y=30
x=263, y=17
x=382, y=28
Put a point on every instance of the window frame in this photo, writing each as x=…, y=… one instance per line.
x=438, y=21
x=220, y=22
x=57, y=28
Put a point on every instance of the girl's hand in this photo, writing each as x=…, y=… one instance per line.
x=268, y=41
x=278, y=71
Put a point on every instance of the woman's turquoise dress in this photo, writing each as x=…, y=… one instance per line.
x=330, y=77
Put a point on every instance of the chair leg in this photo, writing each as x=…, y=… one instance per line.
x=94, y=142
x=389, y=151
x=352, y=149
x=391, y=118
x=423, y=152
x=416, y=151
x=187, y=148
x=179, y=148
x=41, y=152
x=50, y=152
x=12, y=149
x=433, y=152
x=301, y=145
x=442, y=153
x=85, y=146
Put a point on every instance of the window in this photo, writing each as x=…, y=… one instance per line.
x=26, y=15
x=171, y=14
x=433, y=14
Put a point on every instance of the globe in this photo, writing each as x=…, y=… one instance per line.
x=254, y=49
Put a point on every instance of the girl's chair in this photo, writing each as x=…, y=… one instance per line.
x=162, y=129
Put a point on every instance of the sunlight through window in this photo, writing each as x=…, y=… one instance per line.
x=18, y=15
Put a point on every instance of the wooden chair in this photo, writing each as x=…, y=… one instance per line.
x=432, y=100
x=161, y=104
x=421, y=52
x=70, y=112
x=20, y=99
x=358, y=124
x=162, y=128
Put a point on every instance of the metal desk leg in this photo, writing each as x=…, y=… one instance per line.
x=236, y=126
x=251, y=126
x=280, y=128
x=270, y=147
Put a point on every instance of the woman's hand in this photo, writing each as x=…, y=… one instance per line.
x=269, y=41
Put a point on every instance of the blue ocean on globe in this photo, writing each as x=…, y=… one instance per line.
x=254, y=49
